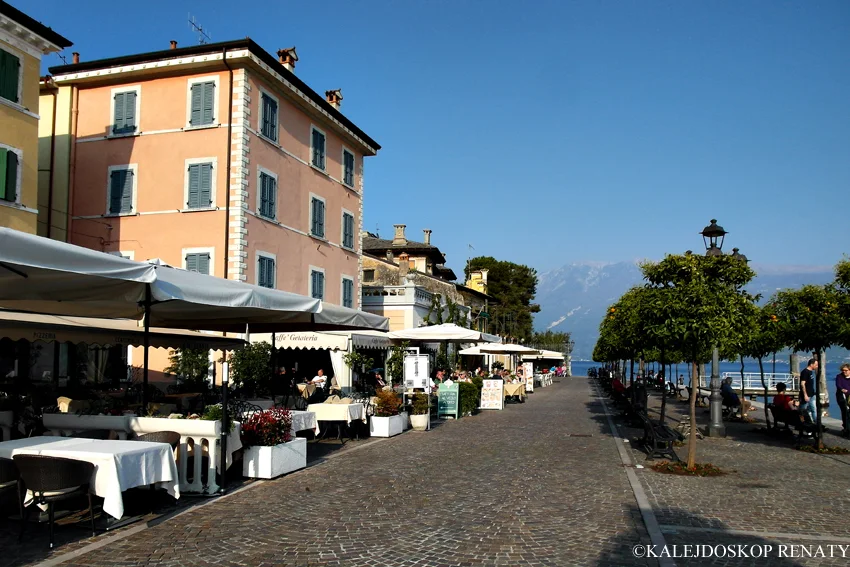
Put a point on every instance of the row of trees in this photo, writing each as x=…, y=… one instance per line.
x=692, y=303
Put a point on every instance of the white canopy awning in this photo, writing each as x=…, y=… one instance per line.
x=367, y=339
x=507, y=349
x=446, y=332
x=331, y=340
x=105, y=332
x=544, y=355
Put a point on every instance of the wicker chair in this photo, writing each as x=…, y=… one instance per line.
x=9, y=477
x=102, y=434
x=170, y=437
x=52, y=479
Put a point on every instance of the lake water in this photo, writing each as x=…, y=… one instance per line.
x=580, y=368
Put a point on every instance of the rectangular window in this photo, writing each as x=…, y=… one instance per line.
x=203, y=104
x=200, y=186
x=317, y=284
x=265, y=267
x=198, y=262
x=268, y=195
x=268, y=118
x=347, y=230
x=124, y=119
x=121, y=191
x=368, y=276
x=10, y=73
x=347, y=292
x=318, y=146
x=8, y=175
x=317, y=216
x=348, y=168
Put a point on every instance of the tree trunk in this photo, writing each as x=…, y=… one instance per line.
x=692, y=435
x=663, y=391
x=818, y=436
x=764, y=385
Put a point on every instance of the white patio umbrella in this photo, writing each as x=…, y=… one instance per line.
x=507, y=349
x=447, y=332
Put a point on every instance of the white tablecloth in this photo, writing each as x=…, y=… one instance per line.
x=338, y=412
x=119, y=465
x=304, y=421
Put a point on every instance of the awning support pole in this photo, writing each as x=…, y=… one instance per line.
x=147, y=306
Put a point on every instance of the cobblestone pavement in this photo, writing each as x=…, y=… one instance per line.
x=773, y=494
x=539, y=483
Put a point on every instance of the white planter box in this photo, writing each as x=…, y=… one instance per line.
x=6, y=419
x=68, y=423
x=271, y=462
x=185, y=427
x=386, y=426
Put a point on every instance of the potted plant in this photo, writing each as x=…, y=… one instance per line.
x=420, y=412
x=387, y=420
x=271, y=450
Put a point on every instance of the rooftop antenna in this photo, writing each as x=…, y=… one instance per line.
x=468, y=257
x=63, y=58
x=203, y=36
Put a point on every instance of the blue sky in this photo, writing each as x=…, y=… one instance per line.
x=554, y=132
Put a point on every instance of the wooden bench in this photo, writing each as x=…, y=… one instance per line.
x=702, y=397
x=658, y=439
x=791, y=419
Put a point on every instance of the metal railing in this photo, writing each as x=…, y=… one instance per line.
x=752, y=380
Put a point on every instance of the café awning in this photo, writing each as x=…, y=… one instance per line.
x=105, y=332
x=544, y=355
x=330, y=340
x=446, y=332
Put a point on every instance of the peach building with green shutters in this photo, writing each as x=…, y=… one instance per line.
x=23, y=42
x=216, y=158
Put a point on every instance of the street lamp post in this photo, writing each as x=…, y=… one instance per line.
x=570, y=344
x=713, y=236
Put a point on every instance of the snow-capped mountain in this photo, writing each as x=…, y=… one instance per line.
x=574, y=297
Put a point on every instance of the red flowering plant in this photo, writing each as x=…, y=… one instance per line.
x=267, y=428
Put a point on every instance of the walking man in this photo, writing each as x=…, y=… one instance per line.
x=808, y=402
x=842, y=392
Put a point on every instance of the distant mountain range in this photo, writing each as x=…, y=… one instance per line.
x=574, y=297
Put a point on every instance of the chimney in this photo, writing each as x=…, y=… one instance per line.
x=399, y=239
x=75, y=58
x=173, y=44
x=390, y=257
x=334, y=97
x=287, y=58
x=427, y=232
x=403, y=264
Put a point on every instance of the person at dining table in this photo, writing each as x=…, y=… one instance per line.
x=319, y=379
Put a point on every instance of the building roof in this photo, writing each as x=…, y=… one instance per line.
x=464, y=289
x=246, y=43
x=33, y=25
x=379, y=246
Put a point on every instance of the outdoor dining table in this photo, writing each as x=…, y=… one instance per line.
x=119, y=465
x=515, y=389
x=304, y=421
x=339, y=413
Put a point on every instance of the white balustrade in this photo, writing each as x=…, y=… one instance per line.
x=752, y=380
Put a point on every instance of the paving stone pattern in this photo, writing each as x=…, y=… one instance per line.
x=537, y=484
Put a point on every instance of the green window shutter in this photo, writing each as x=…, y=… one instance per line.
x=269, y=126
x=318, y=149
x=127, y=192
x=321, y=285
x=115, y=190
x=314, y=215
x=118, y=124
x=3, y=168
x=130, y=111
x=208, y=103
x=347, y=293
x=271, y=184
x=192, y=262
x=261, y=267
x=10, y=67
x=348, y=167
x=194, y=198
x=321, y=208
x=204, y=263
x=205, y=190
x=197, y=104
x=11, y=184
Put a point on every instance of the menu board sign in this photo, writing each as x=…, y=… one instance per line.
x=417, y=371
x=493, y=394
x=448, y=399
x=529, y=382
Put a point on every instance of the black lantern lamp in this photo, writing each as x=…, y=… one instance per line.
x=738, y=256
x=713, y=236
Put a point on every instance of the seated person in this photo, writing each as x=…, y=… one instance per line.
x=618, y=386
x=782, y=400
x=319, y=379
x=731, y=399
